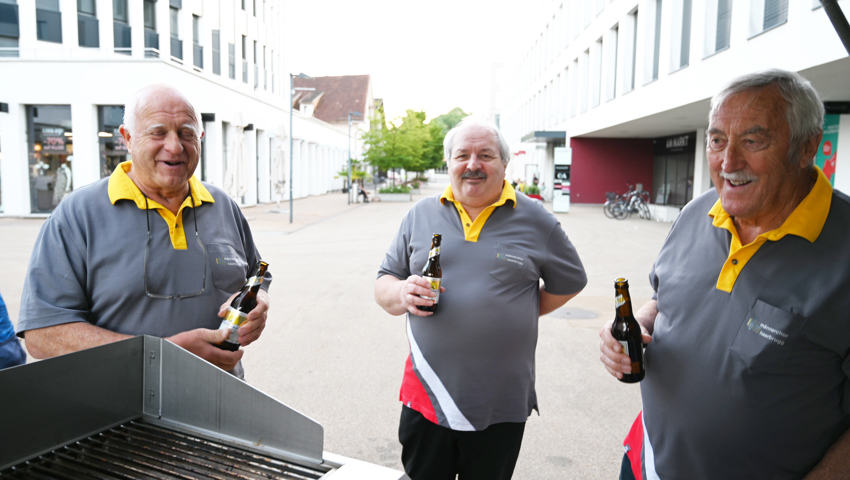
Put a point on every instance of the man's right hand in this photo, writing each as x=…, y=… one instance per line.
x=202, y=342
x=410, y=295
x=616, y=362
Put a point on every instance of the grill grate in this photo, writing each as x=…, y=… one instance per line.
x=139, y=450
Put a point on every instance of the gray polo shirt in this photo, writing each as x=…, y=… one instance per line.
x=471, y=364
x=88, y=265
x=752, y=383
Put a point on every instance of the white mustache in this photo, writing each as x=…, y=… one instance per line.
x=738, y=177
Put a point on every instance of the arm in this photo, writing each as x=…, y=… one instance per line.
x=612, y=356
x=398, y=296
x=549, y=302
x=836, y=462
x=56, y=340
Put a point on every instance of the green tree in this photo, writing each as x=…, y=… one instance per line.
x=448, y=120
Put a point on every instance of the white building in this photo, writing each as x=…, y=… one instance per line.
x=625, y=85
x=68, y=66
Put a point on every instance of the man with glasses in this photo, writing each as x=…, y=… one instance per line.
x=114, y=259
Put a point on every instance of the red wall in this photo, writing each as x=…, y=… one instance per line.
x=608, y=165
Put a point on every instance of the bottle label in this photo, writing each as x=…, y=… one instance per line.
x=254, y=281
x=433, y=252
x=232, y=321
x=625, y=346
x=435, y=288
x=619, y=301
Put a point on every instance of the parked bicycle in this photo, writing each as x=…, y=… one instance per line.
x=622, y=206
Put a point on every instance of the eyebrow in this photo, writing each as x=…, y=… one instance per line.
x=757, y=129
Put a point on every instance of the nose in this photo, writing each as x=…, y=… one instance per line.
x=732, y=158
x=173, y=144
x=474, y=162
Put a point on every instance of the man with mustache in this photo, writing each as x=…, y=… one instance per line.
x=468, y=384
x=747, y=372
x=151, y=250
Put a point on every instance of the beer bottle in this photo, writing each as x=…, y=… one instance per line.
x=242, y=304
x=433, y=273
x=627, y=331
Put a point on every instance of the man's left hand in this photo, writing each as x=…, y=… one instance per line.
x=253, y=327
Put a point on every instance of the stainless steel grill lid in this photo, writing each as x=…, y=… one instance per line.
x=146, y=408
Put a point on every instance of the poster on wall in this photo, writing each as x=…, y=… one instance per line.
x=828, y=149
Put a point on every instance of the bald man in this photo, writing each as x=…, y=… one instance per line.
x=151, y=250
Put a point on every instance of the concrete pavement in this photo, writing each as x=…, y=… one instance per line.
x=330, y=352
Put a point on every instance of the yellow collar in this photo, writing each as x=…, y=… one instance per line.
x=807, y=220
x=122, y=188
x=508, y=193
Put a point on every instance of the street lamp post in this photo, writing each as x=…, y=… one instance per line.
x=349, y=154
x=291, y=96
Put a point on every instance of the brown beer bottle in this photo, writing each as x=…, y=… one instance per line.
x=433, y=273
x=627, y=331
x=242, y=304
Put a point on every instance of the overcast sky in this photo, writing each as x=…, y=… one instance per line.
x=430, y=56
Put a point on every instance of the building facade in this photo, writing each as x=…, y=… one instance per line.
x=624, y=85
x=68, y=66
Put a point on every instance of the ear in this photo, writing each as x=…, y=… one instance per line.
x=810, y=149
x=125, y=134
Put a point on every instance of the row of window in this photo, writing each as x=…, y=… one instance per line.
x=607, y=68
x=49, y=28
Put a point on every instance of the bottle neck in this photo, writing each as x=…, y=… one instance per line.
x=623, y=303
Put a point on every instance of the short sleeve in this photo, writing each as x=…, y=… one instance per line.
x=397, y=260
x=562, y=272
x=54, y=286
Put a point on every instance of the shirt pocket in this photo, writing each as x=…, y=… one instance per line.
x=510, y=264
x=766, y=336
x=229, y=268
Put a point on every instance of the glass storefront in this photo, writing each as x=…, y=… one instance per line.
x=50, y=142
x=673, y=170
x=113, y=150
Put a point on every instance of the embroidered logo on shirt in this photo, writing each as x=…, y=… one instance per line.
x=510, y=258
x=766, y=331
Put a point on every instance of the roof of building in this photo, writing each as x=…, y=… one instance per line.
x=334, y=97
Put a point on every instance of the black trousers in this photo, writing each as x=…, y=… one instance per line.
x=432, y=452
x=626, y=469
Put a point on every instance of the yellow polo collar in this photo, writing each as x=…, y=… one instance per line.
x=472, y=229
x=120, y=187
x=806, y=221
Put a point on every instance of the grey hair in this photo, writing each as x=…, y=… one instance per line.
x=135, y=101
x=467, y=122
x=803, y=106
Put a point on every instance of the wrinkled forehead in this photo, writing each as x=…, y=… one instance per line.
x=475, y=137
x=764, y=106
x=166, y=108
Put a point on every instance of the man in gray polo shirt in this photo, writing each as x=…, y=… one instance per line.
x=747, y=372
x=468, y=385
x=151, y=250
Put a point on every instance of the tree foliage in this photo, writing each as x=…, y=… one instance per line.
x=408, y=142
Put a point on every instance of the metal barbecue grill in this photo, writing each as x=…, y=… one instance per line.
x=144, y=408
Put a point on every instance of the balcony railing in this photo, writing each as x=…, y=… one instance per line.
x=245, y=71
x=151, y=44
x=176, y=48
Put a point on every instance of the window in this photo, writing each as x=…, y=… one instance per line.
x=216, y=52
x=48, y=21
x=50, y=147
x=151, y=37
x=767, y=14
x=595, y=73
x=244, y=59
x=653, y=40
x=113, y=150
x=718, y=21
x=681, y=36
x=197, y=49
x=9, y=28
x=121, y=31
x=611, y=61
x=87, y=29
x=629, y=51
x=119, y=10
x=265, y=70
x=231, y=60
x=256, y=67
x=176, y=43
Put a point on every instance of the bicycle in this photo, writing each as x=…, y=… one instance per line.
x=622, y=206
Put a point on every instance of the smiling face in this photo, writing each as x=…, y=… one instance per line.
x=475, y=167
x=747, y=146
x=165, y=143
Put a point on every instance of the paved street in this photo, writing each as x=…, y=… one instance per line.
x=330, y=352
